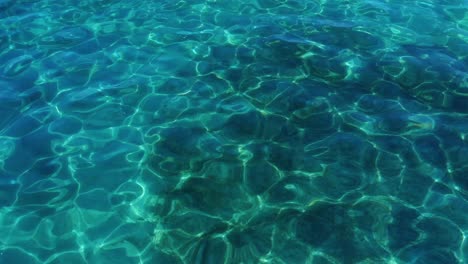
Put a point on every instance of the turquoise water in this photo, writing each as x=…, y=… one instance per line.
x=216, y=131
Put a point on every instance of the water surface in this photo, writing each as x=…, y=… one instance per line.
x=216, y=131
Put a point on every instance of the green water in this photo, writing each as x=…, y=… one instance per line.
x=284, y=132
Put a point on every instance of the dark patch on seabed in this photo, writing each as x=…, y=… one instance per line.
x=225, y=132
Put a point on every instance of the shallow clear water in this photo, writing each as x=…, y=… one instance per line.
x=320, y=131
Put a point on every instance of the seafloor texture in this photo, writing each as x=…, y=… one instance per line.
x=223, y=131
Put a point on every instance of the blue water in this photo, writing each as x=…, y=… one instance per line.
x=226, y=132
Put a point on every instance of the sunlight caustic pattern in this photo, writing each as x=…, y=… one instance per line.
x=216, y=131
